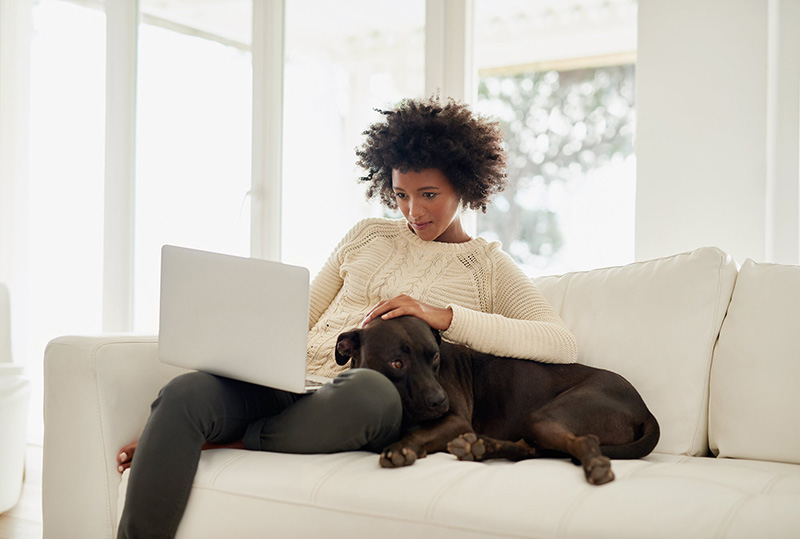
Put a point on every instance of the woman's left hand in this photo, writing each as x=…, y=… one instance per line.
x=402, y=305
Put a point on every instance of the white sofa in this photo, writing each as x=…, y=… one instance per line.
x=714, y=349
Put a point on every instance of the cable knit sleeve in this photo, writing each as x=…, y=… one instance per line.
x=327, y=283
x=324, y=287
x=522, y=323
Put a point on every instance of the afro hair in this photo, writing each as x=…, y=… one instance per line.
x=424, y=133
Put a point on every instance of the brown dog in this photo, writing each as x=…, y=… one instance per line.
x=475, y=404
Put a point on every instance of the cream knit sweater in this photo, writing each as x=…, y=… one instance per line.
x=496, y=307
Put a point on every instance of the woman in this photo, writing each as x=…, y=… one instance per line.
x=430, y=160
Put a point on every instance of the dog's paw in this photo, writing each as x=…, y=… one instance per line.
x=398, y=455
x=467, y=447
x=598, y=471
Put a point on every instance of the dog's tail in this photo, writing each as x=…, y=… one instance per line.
x=638, y=448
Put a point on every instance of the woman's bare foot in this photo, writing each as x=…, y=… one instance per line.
x=125, y=456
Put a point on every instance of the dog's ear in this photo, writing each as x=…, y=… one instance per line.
x=346, y=346
x=437, y=335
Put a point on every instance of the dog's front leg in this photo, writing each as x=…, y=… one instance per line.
x=430, y=438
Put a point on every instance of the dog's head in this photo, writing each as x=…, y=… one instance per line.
x=405, y=350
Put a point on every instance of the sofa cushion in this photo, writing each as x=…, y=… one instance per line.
x=655, y=323
x=256, y=494
x=755, y=378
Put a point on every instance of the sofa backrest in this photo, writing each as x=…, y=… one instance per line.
x=655, y=323
x=754, y=409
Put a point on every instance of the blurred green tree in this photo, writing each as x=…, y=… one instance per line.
x=558, y=125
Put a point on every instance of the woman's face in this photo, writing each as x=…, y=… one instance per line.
x=429, y=204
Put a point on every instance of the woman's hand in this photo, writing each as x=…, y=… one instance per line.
x=402, y=305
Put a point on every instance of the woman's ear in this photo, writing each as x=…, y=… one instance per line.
x=347, y=345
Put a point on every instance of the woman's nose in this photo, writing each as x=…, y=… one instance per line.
x=415, y=209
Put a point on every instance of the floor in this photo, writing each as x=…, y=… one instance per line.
x=24, y=521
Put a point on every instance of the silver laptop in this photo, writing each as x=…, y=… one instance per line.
x=242, y=318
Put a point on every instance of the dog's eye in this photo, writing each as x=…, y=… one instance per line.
x=396, y=364
x=405, y=349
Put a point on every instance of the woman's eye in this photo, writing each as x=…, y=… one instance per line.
x=399, y=195
x=430, y=195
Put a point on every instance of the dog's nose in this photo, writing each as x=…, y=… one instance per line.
x=436, y=401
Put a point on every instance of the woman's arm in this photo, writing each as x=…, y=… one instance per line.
x=327, y=283
x=324, y=287
x=521, y=324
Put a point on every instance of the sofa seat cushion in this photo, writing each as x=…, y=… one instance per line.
x=755, y=378
x=252, y=494
x=655, y=323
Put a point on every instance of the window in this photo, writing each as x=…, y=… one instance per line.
x=560, y=78
x=63, y=288
x=340, y=64
x=193, y=137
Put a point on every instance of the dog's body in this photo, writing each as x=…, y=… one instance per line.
x=475, y=405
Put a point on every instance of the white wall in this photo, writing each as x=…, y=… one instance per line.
x=717, y=128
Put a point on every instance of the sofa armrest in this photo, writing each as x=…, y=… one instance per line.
x=98, y=392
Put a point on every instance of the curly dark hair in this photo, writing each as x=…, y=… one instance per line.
x=424, y=133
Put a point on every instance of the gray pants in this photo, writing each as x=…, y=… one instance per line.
x=360, y=410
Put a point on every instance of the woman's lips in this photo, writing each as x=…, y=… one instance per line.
x=421, y=226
